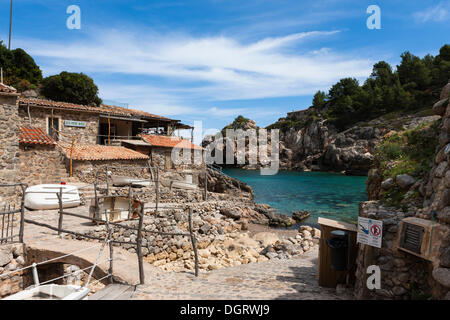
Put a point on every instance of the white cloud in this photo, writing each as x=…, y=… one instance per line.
x=438, y=13
x=207, y=68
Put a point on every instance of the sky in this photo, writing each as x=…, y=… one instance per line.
x=212, y=60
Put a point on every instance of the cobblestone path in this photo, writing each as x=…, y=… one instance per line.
x=294, y=279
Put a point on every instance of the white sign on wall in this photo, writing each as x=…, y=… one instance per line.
x=72, y=123
x=370, y=232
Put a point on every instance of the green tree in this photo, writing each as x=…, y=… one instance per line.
x=319, y=100
x=71, y=87
x=19, y=68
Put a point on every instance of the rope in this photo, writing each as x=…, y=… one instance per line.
x=48, y=261
x=95, y=263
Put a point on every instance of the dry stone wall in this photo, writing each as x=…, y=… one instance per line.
x=12, y=258
x=9, y=146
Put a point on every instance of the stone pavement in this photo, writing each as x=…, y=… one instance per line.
x=294, y=279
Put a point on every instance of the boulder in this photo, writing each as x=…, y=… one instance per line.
x=5, y=258
x=440, y=107
x=387, y=184
x=404, y=181
x=266, y=238
x=231, y=213
x=445, y=258
x=445, y=93
x=442, y=275
x=300, y=215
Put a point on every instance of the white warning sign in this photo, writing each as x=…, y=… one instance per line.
x=370, y=232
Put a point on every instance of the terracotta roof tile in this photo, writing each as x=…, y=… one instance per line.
x=34, y=135
x=102, y=109
x=7, y=89
x=169, y=142
x=98, y=152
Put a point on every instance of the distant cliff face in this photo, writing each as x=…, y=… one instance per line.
x=308, y=142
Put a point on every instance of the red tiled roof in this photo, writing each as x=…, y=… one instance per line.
x=98, y=152
x=102, y=109
x=169, y=142
x=34, y=135
x=7, y=89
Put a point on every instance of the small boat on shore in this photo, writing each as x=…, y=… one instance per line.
x=52, y=292
x=183, y=185
x=119, y=181
x=44, y=196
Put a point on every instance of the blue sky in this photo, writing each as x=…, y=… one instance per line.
x=211, y=60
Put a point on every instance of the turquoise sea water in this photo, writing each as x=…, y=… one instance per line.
x=329, y=195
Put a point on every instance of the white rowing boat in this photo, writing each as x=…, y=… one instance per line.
x=119, y=181
x=52, y=292
x=44, y=196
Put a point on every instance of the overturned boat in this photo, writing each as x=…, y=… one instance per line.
x=45, y=196
x=52, y=292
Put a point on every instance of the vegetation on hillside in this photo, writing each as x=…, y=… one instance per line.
x=71, y=87
x=19, y=69
x=240, y=122
x=408, y=152
x=414, y=86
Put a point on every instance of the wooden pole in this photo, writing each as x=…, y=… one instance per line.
x=60, y=222
x=157, y=191
x=107, y=181
x=111, y=255
x=10, y=25
x=97, y=207
x=139, y=246
x=206, y=183
x=109, y=129
x=194, y=242
x=71, y=156
x=129, y=201
x=22, y=213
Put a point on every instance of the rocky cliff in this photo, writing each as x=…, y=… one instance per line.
x=410, y=178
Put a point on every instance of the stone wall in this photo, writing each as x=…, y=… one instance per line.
x=405, y=276
x=39, y=118
x=9, y=146
x=221, y=235
x=85, y=171
x=41, y=164
x=11, y=258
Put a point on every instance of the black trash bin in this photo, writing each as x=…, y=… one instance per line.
x=338, y=245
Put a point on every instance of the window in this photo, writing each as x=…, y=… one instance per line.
x=55, y=126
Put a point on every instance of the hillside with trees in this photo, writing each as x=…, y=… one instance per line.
x=413, y=86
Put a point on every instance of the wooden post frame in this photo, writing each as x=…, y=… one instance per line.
x=107, y=181
x=111, y=254
x=60, y=222
x=206, y=183
x=22, y=213
x=139, y=246
x=194, y=241
x=157, y=191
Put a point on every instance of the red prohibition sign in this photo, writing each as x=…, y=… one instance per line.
x=375, y=230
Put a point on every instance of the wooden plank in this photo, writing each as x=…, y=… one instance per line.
x=328, y=277
x=99, y=295
x=337, y=224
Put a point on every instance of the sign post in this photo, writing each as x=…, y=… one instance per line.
x=370, y=232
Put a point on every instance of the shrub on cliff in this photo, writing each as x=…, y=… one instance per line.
x=19, y=69
x=71, y=87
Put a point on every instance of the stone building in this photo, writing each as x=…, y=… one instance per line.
x=49, y=140
x=9, y=146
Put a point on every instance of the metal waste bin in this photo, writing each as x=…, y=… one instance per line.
x=338, y=245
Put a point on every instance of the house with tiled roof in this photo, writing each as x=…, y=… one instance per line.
x=61, y=137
